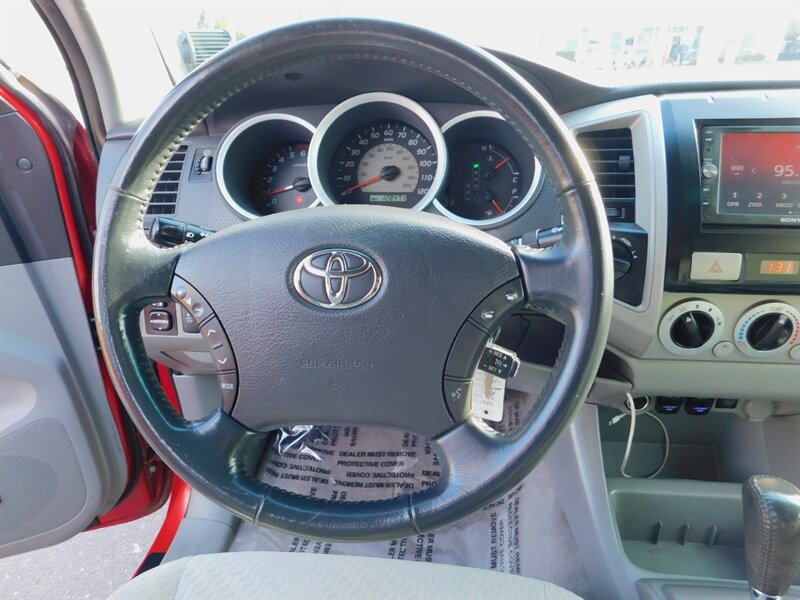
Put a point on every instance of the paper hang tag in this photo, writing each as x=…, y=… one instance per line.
x=488, y=394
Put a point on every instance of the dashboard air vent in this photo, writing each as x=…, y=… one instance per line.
x=165, y=195
x=198, y=45
x=610, y=155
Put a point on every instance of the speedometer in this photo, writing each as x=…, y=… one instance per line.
x=378, y=149
x=385, y=163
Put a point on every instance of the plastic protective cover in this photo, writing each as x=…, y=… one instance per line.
x=525, y=532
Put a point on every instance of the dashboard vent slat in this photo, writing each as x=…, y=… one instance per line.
x=164, y=200
x=197, y=46
x=610, y=156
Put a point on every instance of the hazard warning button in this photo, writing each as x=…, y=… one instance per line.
x=716, y=266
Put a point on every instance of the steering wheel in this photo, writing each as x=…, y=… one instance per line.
x=403, y=336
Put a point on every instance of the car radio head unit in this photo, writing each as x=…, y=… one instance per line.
x=750, y=175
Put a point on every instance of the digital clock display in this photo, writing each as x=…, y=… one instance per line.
x=759, y=173
x=779, y=267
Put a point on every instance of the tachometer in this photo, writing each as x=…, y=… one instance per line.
x=384, y=163
x=282, y=182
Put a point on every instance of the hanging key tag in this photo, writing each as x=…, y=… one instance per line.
x=489, y=382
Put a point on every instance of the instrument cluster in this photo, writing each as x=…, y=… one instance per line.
x=379, y=149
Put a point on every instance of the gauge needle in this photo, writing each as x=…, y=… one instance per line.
x=388, y=173
x=493, y=171
x=489, y=197
x=502, y=162
x=301, y=184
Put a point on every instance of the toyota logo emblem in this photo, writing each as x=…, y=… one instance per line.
x=336, y=278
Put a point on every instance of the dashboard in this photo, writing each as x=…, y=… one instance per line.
x=701, y=188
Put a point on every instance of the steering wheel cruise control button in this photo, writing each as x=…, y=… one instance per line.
x=498, y=305
x=499, y=362
x=466, y=351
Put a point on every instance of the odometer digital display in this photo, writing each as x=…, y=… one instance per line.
x=383, y=163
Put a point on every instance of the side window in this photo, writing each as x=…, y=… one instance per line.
x=27, y=47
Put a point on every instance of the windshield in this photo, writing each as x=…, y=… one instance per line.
x=610, y=43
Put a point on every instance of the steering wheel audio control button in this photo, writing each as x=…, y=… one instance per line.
x=191, y=300
x=223, y=356
x=498, y=305
x=466, y=351
x=212, y=332
x=229, y=384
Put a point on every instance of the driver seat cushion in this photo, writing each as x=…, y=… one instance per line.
x=268, y=575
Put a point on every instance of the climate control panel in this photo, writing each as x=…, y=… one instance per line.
x=690, y=327
x=768, y=329
x=764, y=330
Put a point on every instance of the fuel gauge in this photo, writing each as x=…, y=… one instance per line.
x=484, y=181
x=493, y=174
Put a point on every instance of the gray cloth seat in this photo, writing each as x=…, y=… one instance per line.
x=268, y=575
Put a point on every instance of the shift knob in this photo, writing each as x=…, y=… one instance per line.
x=771, y=534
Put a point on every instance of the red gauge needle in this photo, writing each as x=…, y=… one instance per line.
x=502, y=162
x=301, y=184
x=280, y=190
x=489, y=196
x=369, y=181
x=388, y=173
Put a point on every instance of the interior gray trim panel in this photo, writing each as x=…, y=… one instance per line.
x=61, y=459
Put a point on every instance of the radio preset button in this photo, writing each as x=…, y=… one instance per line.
x=716, y=266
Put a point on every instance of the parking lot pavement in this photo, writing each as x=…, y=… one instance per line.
x=89, y=566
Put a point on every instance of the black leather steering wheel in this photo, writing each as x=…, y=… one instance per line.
x=394, y=355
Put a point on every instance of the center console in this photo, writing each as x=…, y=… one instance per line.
x=733, y=164
x=713, y=351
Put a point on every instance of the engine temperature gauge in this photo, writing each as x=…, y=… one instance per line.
x=485, y=181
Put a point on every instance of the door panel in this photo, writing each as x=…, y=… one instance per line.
x=62, y=463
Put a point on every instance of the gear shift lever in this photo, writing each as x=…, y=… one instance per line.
x=771, y=535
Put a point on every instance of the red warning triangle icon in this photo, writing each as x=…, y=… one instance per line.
x=715, y=267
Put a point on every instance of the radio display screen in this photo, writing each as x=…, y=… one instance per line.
x=759, y=173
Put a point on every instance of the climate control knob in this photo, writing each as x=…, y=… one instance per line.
x=622, y=259
x=691, y=327
x=768, y=329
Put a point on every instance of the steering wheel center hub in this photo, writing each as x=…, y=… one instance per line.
x=348, y=314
